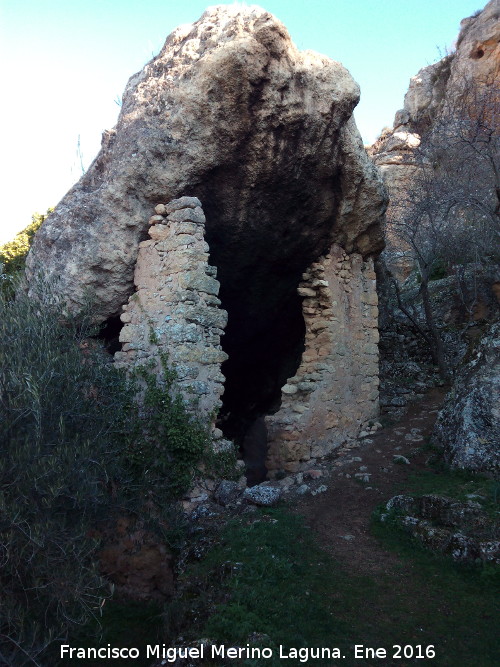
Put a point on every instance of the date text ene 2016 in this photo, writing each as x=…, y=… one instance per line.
x=419, y=651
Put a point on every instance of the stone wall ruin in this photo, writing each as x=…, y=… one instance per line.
x=335, y=389
x=175, y=308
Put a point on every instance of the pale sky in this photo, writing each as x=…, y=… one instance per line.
x=63, y=63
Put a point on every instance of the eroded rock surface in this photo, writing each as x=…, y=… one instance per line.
x=232, y=113
x=229, y=111
x=468, y=426
x=447, y=105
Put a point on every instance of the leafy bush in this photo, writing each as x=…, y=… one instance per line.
x=169, y=443
x=75, y=446
x=60, y=407
x=13, y=253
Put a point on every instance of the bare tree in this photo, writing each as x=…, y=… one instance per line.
x=450, y=213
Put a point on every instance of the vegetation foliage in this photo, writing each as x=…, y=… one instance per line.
x=266, y=581
x=76, y=448
x=448, y=220
x=13, y=253
x=165, y=455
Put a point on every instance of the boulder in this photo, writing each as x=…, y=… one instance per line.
x=263, y=495
x=468, y=426
x=263, y=134
x=227, y=492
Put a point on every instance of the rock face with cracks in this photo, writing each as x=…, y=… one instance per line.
x=468, y=426
x=464, y=84
x=232, y=113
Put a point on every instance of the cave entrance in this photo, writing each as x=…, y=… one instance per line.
x=264, y=340
x=109, y=334
x=263, y=233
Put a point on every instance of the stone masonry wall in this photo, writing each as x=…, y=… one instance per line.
x=176, y=297
x=335, y=389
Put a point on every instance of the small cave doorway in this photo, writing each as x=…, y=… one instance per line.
x=264, y=346
x=109, y=334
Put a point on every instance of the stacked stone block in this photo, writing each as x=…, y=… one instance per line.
x=335, y=390
x=176, y=299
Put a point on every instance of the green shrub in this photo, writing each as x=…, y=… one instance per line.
x=76, y=448
x=60, y=407
x=169, y=442
x=13, y=253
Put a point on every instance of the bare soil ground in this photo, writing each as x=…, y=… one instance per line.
x=392, y=595
x=341, y=515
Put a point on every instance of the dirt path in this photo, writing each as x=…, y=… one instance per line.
x=363, y=477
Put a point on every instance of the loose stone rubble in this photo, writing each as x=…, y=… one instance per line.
x=175, y=309
x=335, y=389
x=461, y=530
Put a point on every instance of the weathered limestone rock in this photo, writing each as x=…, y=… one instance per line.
x=175, y=310
x=456, y=86
x=227, y=492
x=461, y=530
x=477, y=58
x=261, y=132
x=335, y=388
x=232, y=112
x=468, y=426
x=263, y=495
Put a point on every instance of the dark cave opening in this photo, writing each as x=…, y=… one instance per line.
x=262, y=237
x=265, y=336
x=109, y=334
x=263, y=353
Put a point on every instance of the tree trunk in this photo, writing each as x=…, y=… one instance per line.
x=437, y=350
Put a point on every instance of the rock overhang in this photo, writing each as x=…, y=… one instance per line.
x=230, y=112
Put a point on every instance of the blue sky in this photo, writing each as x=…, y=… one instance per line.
x=65, y=62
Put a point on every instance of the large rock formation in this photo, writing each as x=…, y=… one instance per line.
x=263, y=134
x=448, y=125
x=468, y=426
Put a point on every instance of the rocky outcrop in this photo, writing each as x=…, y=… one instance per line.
x=447, y=107
x=230, y=112
x=262, y=133
x=462, y=530
x=468, y=426
x=437, y=86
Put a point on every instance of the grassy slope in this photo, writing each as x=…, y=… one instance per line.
x=272, y=578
